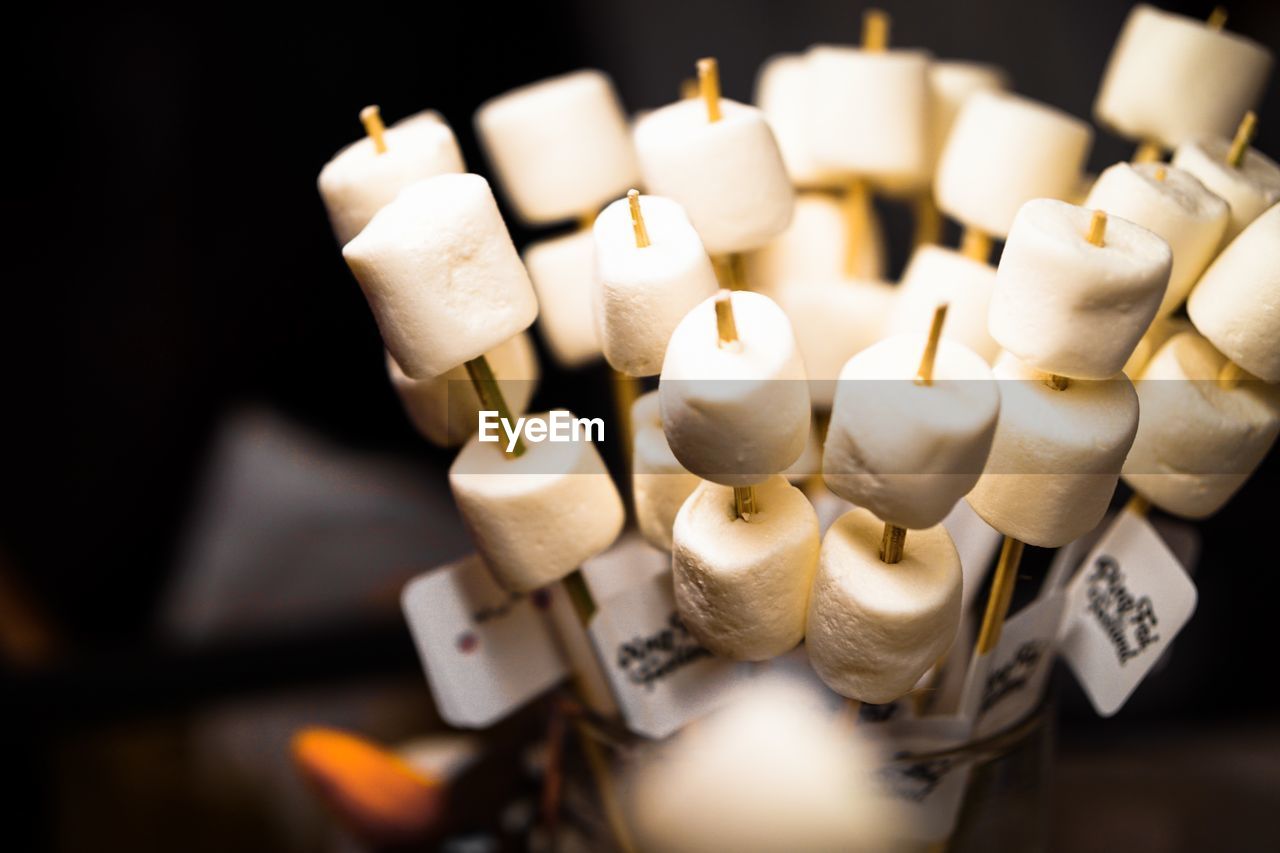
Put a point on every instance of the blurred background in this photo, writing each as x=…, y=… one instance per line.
x=212, y=497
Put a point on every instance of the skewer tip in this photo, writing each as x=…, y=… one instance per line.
x=371, y=118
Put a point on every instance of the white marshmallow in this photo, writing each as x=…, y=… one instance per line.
x=1066, y=306
x=642, y=293
x=773, y=771
x=1056, y=457
x=1177, y=208
x=874, y=628
x=659, y=483
x=869, y=112
x=816, y=246
x=834, y=319
x=951, y=84
x=1197, y=442
x=560, y=147
x=742, y=587
x=563, y=272
x=536, y=517
x=782, y=94
x=1161, y=329
x=728, y=174
x=445, y=409
x=738, y=413
x=1003, y=151
x=441, y=275
x=1171, y=78
x=358, y=181
x=909, y=451
x=1236, y=304
x=1249, y=189
x=934, y=275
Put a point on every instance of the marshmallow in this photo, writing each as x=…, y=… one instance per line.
x=1197, y=442
x=874, y=628
x=909, y=451
x=869, y=112
x=445, y=409
x=782, y=94
x=1056, y=457
x=1162, y=328
x=536, y=517
x=833, y=320
x=934, y=275
x=742, y=587
x=727, y=174
x=951, y=84
x=441, y=275
x=1249, y=189
x=1003, y=151
x=560, y=147
x=563, y=272
x=739, y=412
x=658, y=482
x=643, y=293
x=1171, y=78
x=816, y=245
x=358, y=181
x=1173, y=205
x=1236, y=304
x=1066, y=306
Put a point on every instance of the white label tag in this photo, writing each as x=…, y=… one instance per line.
x=929, y=791
x=485, y=651
x=1124, y=607
x=660, y=675
x=1016, y=672
x=977, y=543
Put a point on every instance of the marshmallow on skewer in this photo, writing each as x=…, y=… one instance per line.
x=535, y=517
x=1249, y=187
x=1236, y=303
x=1171, y=79
x=560, y=147
x=1072, y=299
x=651, y=270
x=1162, y=328
x=951, y=84
x=874, y=627
x=1056, y=457
x=907, y=449
x=445, y=408
x=723, y=168
x=441, y=275
x=1198, y=440
x=935, y=275
x=782, y=93
x=833, y=320
x=1173, y=205
x=735, y=412
x=742, y=587
x=819, y=244
x=1003, y=151
x=659, y=483
x=563, y=272
x=367, y=175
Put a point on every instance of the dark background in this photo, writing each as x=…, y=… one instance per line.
x=174, y=266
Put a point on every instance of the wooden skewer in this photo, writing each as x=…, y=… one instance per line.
x=1148, y=152
x=857, y=223
x=1232, y=375
x=490, y=395
x=1002, y=584
x=1217, y=18
x=892, y=544
x=975, y=244
x=1244, y=135
x=1097, y=229
x=928, y=220
x=709, y=86
x=587, y=221
x=875, y=30
x=637, y=219
x=1138, y=505
x=744, y=497
x=1161, y=174
x=371, y=118
x=1056, y=382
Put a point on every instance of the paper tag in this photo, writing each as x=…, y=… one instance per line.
x=485, y=651
x=977, y=543
x=1014, y=675
x=1124, y=607
x=661, y=676
x=628, y=561
x=930, y=791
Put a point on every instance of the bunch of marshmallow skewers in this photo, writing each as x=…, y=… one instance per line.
x=747, y=277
